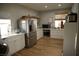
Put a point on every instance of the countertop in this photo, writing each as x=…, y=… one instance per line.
x=50, y=29
x=8, y=35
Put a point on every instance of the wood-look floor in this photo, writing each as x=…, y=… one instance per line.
x=44, y=47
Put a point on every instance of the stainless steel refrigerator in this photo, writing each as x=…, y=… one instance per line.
x=29, y=27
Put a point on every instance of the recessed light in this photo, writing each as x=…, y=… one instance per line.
x=59, y=5
x=5, y=44
x=46, y=6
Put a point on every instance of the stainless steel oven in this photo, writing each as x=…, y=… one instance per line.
x=46, y=26
x=46, y=33
x=46, y=30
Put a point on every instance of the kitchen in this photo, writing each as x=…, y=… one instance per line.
x=42, y=24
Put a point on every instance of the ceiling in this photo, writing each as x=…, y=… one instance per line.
x=51, y=6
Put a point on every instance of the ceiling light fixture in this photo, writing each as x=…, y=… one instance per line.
x=59, y=5
x=46, y=6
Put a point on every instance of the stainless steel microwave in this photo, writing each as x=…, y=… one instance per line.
x=72, y=17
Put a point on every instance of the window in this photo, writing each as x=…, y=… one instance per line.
x=60, y=20
x=5, y=26
x=58, y=23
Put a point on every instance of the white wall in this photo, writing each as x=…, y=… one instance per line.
x=45, y=16
x=75, y=8
x=69, y=46
x=77, y=49
x=70, y=41
x=14, y=12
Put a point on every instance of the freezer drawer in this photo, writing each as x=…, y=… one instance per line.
x=31, y=40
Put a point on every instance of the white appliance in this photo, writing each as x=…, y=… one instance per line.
x=69, y=47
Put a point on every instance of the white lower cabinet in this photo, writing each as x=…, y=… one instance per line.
x=57, y=33
x=15, y=43
x=11, y=47
x=39, y=33
x=10, y=41
x=19, y=43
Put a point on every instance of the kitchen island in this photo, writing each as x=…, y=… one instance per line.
x=15, y=42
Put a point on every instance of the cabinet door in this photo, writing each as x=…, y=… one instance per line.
x=19, y=42
x=17, y=45
x=39, y=33
x=22, y=41
x=11, y=45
